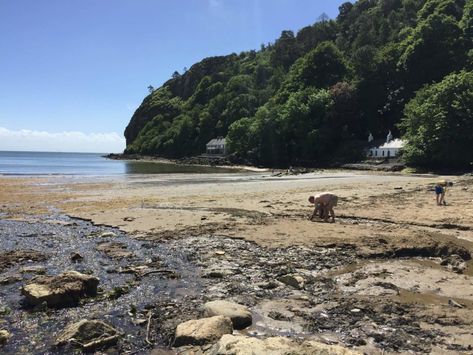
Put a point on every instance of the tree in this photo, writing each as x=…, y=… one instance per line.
x=150, y=88
x=321, y=67
x=438, y=124
x=434, y=49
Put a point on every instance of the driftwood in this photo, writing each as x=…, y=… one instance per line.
x=104, y=339
x=148, y=326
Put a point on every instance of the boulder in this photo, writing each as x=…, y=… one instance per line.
x=202, y=331
x=295, y=281
x=239, y=315
x=4, y=336
x=60, y=291
x=89, y=335
x=242, y=345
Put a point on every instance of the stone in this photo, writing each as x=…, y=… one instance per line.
x=243, y=345
x=202, y=331
x=239, y=315
x=296, y=281
x=89, y=335
x=60, y=291
x=34, y=269
x=4, y=336
x=107, y=235
x=76, y=257
x=216, y=273
x=115, y=250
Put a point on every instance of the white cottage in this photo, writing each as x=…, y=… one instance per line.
x=216, y=146
x=387, y=150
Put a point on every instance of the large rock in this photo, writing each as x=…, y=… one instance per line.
x=202, y=331
x=240, y=315
x=242, y=345
x=89, y=335
x=4, y=336
x=60, y=291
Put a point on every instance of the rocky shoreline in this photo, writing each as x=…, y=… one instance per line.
x=152, y=294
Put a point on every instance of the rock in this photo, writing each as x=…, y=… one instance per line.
x=202, y=331
x=76, y=257
x=295, y=281
x=270, y=285
x=220, y=252
x=60, y=291
x=240, y=315
x=216, y=273
x=455, y=263
x=4, y=336
x=242, y=345
x=10, y=279
x=36, y=269
x=89, y=335
x=115, y=250
x=455, y=304
x=107, y=235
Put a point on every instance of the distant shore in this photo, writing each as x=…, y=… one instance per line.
x=217, y=162
x=223, y=161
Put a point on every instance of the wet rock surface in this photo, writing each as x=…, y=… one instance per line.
x=330, y=294
x=239, y=315
x=88, y=335
x=63, y=290
x=202, y=331
x=230, y=344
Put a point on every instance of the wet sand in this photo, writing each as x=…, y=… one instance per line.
x=385, y=248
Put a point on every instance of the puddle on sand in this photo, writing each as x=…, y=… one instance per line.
x=35, y=331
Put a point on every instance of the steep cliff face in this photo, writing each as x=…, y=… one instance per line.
x=181, y=86
x=314, y=96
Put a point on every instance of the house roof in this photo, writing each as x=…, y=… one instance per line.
x=216, y=141
x=395, y=143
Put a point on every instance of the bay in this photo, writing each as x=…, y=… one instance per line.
x=90, y=164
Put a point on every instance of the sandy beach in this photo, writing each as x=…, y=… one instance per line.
x=392, y=255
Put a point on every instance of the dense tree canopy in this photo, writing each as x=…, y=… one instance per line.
x=439, y=123
x=313, y=96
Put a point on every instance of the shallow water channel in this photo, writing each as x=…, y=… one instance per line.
x=122, y=295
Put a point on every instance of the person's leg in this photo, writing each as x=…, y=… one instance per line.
x=332, y=213
x=442, y=196
x=437, y=196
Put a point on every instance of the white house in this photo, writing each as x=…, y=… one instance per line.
x=387, y=150
x=216, y=146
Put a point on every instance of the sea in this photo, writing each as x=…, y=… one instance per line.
x=88, y=164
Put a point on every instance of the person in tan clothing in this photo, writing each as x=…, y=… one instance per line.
x=324, y=204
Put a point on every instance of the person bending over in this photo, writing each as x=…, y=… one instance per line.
x=324, y=204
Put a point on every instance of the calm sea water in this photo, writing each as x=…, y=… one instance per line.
x=46, y=163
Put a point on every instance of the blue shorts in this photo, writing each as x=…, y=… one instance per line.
x=438, y=190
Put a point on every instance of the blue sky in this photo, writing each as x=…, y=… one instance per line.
x=83, y=66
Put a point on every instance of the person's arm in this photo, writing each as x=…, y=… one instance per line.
x=313, y=213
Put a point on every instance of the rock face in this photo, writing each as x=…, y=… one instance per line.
x=4, y=336
x=202, y=331
x=89, y=335
x=60, y=291
x=242, y=345
x=239, y=315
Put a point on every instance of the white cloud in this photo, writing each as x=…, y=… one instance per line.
x=72, y=141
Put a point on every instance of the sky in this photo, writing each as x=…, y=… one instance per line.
x=72, y=72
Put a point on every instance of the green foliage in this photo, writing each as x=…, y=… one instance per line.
x=311, y=98
x=438, y=124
